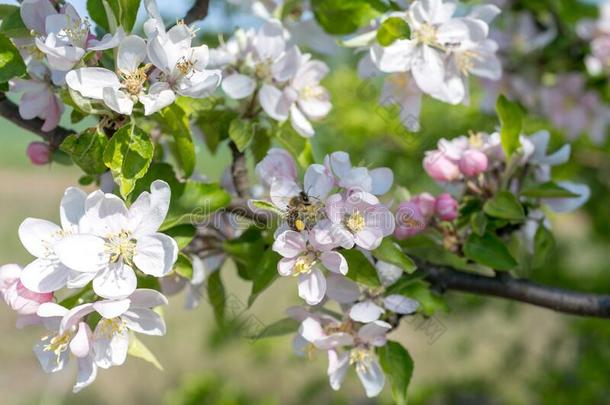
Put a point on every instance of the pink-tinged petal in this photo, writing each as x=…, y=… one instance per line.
x=287, y=65
x=400, y=304
x=87, y=372
x=36, y=235
x=341, y=289
x=318, y=181
x=317, y=107
x=312, y=287
x=156, y=254
x=368, y=238
x=33, y=104
x=311, y=330
x=290, y=244
x=380, y=218
x=357, y=179
x=374, y=333
x=44, y=276
x=342, y=236
x=238, y=86
x=111, y=308
x=337, y=367
x=285, y=266
x=278, y=164
x=321, y=236
x=117, y=281
x=144, y=321
x=382, y=180
x=72, y=208
x=372, y=378
x=365, y=312
x=335, y=262
x=335, y=208
x=24, y=301
x=9, y=275
x=270, y=98
x=35, y=12
x=39, y=153
x=80, y=346
x=147, y=298
x=82, y=252
x=110, y=350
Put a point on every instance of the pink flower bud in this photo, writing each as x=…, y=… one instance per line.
x=39, y=153
x=409, y=220
x=473, y=162
x=440, y=167
x=446, y=207
x=16, y=296
x=426, y=203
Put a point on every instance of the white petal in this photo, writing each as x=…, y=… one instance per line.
x=289, y=244
x=341, y=289
x=110, y=350
x=300, y=123
x=311, y=330
x=145, y=321
x=270, y=98
x=72, y=208
x=80, y=346
x=372, y=378
x=318, y=182
x=312, y=287
x=90, y=82
x=159, y=96
x=111, y=308
x=396, y=57
x=49, y=361
x=238, y=86
x=87, y=372
x=104, y=214
x=149, y=210
x=400, y=304
x=335, y=262
x=117, y=100
x=117, y=281
x=365, y=312
x=82, y=252
x=43, y=276
x=382, y=179
x=36, y=235
x=337, y=367
x=374, y=333
x=131, y=53
x=156, y=254
x=74, y=316
x=570, y=204
x=281, y=191
x=147, y=298
x=35, y=12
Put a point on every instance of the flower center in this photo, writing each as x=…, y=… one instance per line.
x=312, y=92
x=134, y=81
x=186, y=66
x=426, y=35
x=121, y=246
x=77, y=32
x=59, y=343
x=361, y=358
x=110, y=327
x=465, y=61
x=355, y=222
x=304, y=264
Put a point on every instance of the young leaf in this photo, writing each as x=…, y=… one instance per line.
x=264, y=273
x=398, y=366
x=241, y=132
x=87, y=150
x=340, y=17
x=278, y=328
x=547, y=190
x=504, y=205
x=478, y=223
x=214, y=124
x=128, y=154
x=360, y=268
x=217, y=296
x=511, y=121
x=194, y=202
x=11, y=64
x=390, y=252
x=490, y=251
x=184, y=266
x=175, y=123
x=265, y=206
x=182, y=234
x=392, y=29
x=544, y=244
x=139, y=350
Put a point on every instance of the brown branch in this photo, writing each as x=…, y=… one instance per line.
x=197, y=12
x=10, y=111
x=521, y=290
x=239, y=172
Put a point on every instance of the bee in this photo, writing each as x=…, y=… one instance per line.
x=303, y=213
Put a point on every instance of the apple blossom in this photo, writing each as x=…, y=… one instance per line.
x=376, y=181
x=473, y=162
x=446, y=207
x=115, y=240
x=278, y=164
x=425, y=202
x=440, y=167
x=409, y=220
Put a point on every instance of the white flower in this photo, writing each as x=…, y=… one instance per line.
x=376, y=181
x=367, y=368
x=111, y=335
x=119, y=91
x=114, y=240
x=47, y=273
x=53, y=351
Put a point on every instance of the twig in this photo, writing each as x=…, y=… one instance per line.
x=239, y=172
x=197, y=12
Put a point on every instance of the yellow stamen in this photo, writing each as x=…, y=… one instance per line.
x=361, y=358
x=134, y=81
x=304, y=264
x=110, y=327
x=355, y=222
x=120, y=246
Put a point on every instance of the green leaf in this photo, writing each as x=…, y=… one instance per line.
x=261, y=142
x=511, y=121
x=392, y=29
x=278, y=328
x=360, y=268
x=264, y=274
x=184, y=266
x=128, y=154
x=245, y=250
x=296, y=145
x=265, y=206
x=214, y=124
x=139, y=350
x=544, y=245
x=390, y=252
x=241, y=132
x=182, y=234
x=478, y=223
x=87, y=150
x=340, y=17
x=129, y=12
x=398, y=366
x=193, y=202
x=217, y=296
x=504, y=205
x=489, y=250
x=12, y=24
x=547, y=190
x=429, y=249
x=175, y=123
x=11, y=64
x=429, y=301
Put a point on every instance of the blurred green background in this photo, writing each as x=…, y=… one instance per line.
x=483, y=351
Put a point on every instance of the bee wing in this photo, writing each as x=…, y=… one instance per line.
x=282, y=192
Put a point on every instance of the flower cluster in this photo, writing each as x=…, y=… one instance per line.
x=442, y=51
x=318, y=221
x=260, y=65
x=98, y=250
x=598, y=32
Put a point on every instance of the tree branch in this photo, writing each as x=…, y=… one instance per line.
x=521, y=290
x=197, y=12
x=10, y=111
x=239, y=172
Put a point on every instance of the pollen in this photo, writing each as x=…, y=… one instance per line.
x=299, y=225
x=355, y=222
x=59, y=344
x=185, y=66
x=465, y=61
x=304, y=264
x=134, y=81
x=361, y=358
x=312, y=92
x=110, y=327
x=426, y=35
x=120, y=246
x=77, y=33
